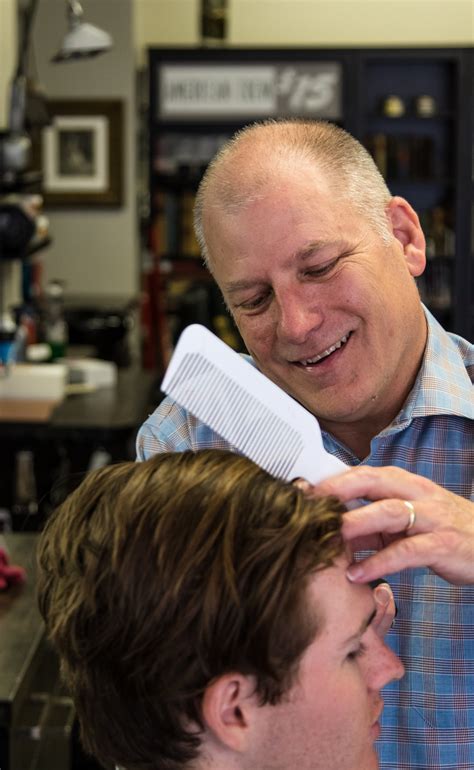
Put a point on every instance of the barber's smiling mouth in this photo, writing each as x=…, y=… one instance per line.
x=324, y=355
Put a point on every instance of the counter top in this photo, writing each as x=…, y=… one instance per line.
x=122, y=407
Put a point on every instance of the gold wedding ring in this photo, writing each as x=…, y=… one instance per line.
x=412, y=517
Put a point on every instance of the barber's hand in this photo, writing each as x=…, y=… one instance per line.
x=385, y=606
x=441, y=535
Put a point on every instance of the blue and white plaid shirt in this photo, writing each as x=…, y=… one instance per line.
x=428, y=721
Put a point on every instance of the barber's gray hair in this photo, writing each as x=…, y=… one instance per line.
x=241, y=167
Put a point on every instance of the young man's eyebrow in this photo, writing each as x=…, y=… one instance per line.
x=363, y=628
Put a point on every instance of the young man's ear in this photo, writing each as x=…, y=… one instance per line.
x=227, y=708
x=407, y=230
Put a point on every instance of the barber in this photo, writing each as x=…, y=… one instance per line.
x=317, y=263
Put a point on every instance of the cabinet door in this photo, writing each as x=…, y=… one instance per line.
x=413, y=108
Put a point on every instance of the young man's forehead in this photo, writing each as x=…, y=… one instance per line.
x=338, y=603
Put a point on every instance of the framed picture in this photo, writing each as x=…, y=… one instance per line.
x=81, y=153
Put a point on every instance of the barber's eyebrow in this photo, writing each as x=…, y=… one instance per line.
x=235, y=286
x=363, y=628
x=314, y=247
x=299, y=256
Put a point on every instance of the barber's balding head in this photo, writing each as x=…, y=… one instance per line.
x=262, y=155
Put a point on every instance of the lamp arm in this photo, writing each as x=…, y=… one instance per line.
x=27, y=17
x=75, y=9
x=18, y=86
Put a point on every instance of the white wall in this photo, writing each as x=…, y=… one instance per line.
x=10, y=272
x=165, y=23
x=94, y=250
x=8, y=27
x=312, y=22
x=351, y=22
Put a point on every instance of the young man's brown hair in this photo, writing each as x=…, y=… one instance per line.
x=157, y=578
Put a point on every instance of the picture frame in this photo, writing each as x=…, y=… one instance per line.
x=80, y=154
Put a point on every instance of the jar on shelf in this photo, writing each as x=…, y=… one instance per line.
x=55, y=329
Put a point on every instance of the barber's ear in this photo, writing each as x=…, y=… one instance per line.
x=407, y=230
x=227, y=708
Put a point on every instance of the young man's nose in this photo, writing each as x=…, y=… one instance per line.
x=382, y=665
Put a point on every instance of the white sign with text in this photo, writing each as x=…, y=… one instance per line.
x=199, y=92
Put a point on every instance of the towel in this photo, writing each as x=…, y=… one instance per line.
x=10, y=575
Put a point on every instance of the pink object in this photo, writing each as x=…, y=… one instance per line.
x=10, y=575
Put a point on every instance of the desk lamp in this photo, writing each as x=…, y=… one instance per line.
x=27, y=108
x=81, y=40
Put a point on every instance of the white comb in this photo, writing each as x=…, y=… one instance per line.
x=220, y=388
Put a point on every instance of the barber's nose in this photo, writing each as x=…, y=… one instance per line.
x=382, y=665
x=296, y=317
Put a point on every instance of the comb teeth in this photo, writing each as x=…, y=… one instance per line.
x=238, y=402
x=206, y=392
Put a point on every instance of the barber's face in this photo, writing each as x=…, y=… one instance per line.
x=327, y=309
x=329, y=718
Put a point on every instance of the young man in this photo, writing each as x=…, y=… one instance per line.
x=317, y=263
x=203, y=619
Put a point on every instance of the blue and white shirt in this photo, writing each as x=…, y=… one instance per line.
x=428, y=720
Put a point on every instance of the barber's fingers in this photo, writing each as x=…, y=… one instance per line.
x=419, y=523
x=449, y=516
x=401, y=554
x=392, y=517
x=376, y=483
x=303, y=484
x=451, y=559
x=435, y=532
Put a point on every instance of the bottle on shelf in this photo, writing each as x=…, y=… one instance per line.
x=7, y=341
x=213, y=22
x=439, y=286
x=25, y=501
x=443, y=235
x=189, y=244
x=425, y=106
x=56, y=330
x=393, y=106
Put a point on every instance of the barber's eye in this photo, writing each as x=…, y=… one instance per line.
x=255, y=303
x=321, y=270
x=251, y=304
x=358, y=652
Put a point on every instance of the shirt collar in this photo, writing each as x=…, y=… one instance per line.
x=443, y=385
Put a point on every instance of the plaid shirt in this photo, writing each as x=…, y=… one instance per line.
x=428, y=721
